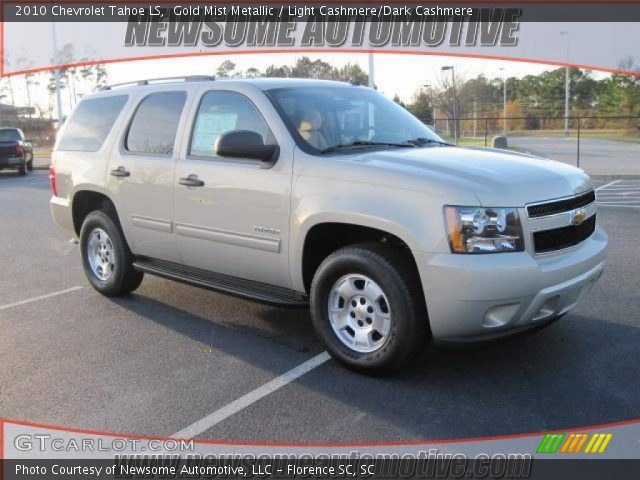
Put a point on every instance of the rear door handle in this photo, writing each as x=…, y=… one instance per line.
x=191, y=181
x=120, y=172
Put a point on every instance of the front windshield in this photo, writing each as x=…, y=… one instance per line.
x=334, y=116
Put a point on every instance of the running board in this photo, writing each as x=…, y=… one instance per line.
x=259, y=292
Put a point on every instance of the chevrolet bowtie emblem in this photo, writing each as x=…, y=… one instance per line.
x=578, y=216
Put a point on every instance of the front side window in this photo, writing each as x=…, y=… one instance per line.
x=326, y=117
x=155, y=124
x=222, y=112
x=90, y=123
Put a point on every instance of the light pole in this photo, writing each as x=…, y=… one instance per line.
x=504, y=95
x=1, y=97
x=567, y=86
x=433, y=102
x=455, y=116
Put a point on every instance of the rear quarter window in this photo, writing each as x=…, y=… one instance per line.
x=91, y=123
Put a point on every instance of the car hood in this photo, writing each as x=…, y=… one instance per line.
x=497, y=178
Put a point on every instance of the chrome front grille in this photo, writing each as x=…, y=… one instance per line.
x=563, y=237
x=559, y=206
x=562, y=223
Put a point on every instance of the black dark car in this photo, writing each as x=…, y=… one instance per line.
x=15, y=151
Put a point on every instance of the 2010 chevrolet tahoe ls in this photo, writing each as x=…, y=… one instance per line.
x=297, y=192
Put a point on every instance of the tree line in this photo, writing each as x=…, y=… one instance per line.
x=537, y=100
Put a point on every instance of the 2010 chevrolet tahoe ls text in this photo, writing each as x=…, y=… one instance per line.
x=297, y=192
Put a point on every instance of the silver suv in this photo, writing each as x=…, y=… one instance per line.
x=296, y=192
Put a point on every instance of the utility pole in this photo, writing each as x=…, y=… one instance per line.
x=1, y=97
x=504, y=107
x=56, y=73
x=455, y=114
x=567, y=86
x=475, y=117
x=372, y=83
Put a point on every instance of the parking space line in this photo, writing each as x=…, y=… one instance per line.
x=41, y=297
x=243, y=402
x=617, y=205
x=619, y=193
x=608, y=185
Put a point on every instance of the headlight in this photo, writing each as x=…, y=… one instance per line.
x=483, y=230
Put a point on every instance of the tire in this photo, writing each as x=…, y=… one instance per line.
x=30, y=163
x=22, y=170
x=388, y=282
x=106, y=257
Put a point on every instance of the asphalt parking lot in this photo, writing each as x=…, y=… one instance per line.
x=597, y=156
x=170, y=355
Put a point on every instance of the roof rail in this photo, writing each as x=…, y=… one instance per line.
x=187, y=78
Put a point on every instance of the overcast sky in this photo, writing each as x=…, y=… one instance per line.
x=394, y=73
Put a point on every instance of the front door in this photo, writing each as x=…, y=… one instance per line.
x=232, y=216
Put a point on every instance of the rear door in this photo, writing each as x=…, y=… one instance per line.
x=140, y=174
x=236, y=221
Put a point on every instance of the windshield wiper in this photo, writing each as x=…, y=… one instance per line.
x=424, y=141
x=365, y=143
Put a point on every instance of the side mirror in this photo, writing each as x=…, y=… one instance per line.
x=247, y=144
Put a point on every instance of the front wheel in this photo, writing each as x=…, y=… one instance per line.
x=368, y=309
x=106, y=258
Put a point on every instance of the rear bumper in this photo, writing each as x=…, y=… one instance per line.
x=12, y=162
x=62, y=216
x=477, y=297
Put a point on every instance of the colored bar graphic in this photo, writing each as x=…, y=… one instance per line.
x=573, y=443
x=581, y=443
x=550, y=442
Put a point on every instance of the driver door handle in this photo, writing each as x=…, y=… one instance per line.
x=191, y=181
x=120, y=172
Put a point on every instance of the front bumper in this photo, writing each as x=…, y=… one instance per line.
x=476, y=297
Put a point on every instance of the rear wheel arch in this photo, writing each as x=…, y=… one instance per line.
x=86, y=201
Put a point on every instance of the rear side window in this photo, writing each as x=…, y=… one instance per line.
x=155, y=124
x=90, y=123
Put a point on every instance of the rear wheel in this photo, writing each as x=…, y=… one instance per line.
x=30, y=163
x=368, y=309
x=22, y=170
x=107, y=260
